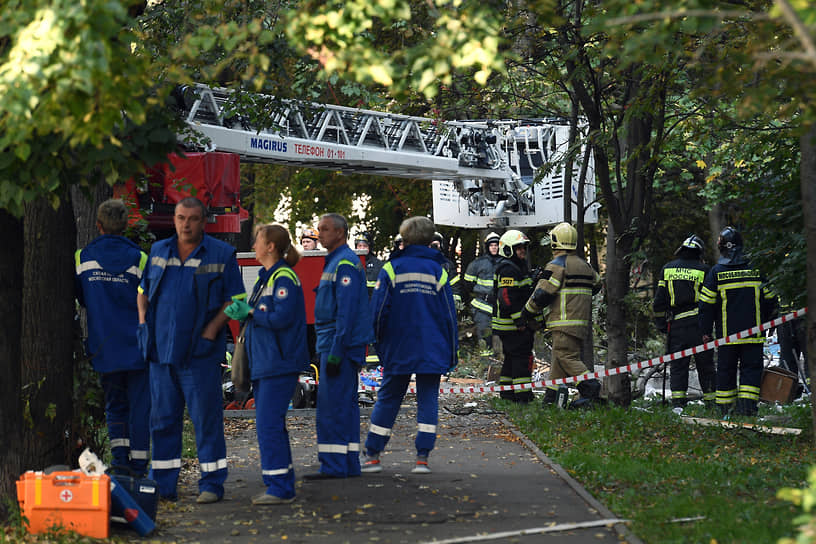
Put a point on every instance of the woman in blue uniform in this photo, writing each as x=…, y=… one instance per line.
x=277, y=352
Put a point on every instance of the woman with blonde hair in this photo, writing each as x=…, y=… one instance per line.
x=277, y=353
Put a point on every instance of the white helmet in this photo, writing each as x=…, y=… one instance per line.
x=509, y=240
x=564, y=236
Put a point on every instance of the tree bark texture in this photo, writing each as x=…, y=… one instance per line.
x=617, y=286
x=11, y=304
x=808, y=183
x=48, y=333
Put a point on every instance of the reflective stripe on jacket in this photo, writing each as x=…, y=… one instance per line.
x=736, y=297
x=342, y=317
x=414, y=314
x=276, y=333
x=513, y=287
x=678, y=291
x=567, y=289
x=108, y=272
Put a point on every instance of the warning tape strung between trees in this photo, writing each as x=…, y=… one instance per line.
x=621, y=369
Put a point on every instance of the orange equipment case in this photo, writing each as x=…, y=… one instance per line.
x=65, y=500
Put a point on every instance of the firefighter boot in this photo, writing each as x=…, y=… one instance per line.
x=590, y=391
x=746, y=407
x=550, y=395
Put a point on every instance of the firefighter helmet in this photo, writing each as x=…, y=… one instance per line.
x=439, y=239
x=364, y=238
x=491, y=238
x=310, y=233
x=693, y=242
x=509, y=240
x=729, y=241
x=564, y=236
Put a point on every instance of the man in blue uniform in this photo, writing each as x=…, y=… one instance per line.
x=415, y=324
x=108, y=272
x=343, y=325
x=736, y=297
x=189, y=280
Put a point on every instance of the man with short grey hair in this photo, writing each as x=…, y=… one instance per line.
x=343, y=327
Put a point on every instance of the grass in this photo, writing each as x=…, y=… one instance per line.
x=645, y=464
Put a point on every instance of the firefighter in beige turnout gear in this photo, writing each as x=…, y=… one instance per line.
x=566, y=288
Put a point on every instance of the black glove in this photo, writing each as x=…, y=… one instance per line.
x=333, y=366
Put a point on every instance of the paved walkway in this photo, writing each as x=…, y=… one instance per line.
x=489, y=484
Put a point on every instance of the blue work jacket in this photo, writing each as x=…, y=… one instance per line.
x=108, y=272
x=342, y=318
x=213, y=270
x=414, y=314
x=276, y=332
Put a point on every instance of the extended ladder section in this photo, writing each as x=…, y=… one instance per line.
x=489, y=165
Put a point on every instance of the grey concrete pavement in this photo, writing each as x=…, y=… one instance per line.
x=489, y=484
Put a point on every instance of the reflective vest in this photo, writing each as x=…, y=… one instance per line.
x=736, y=297
x=678, y=291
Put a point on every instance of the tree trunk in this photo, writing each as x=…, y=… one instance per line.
x=47, y=336
x=617, y=286
x=85, y=210
x=11, y=304
x=807, y=143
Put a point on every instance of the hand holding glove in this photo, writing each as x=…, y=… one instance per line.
x=333, y=366
x=238, y=310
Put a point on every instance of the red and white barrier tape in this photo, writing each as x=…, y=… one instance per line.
x=621, y=369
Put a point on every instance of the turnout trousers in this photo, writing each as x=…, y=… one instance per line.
x=338, y=416
x=684, y=336
x=518, y=364
x=199, y=385
x=747, y=359
x=127, y=412
x=272, y=396
x=389, y=399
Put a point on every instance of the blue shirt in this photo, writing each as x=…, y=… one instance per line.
x=185, y=296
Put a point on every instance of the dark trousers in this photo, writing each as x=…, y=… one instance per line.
x=683, y=336
x=518, y=364
x=747, y=360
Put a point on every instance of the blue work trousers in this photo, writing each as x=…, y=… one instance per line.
x=127, y=412
x=389, y=399
x=199, y=385
x=338, y=416
x=272, y=396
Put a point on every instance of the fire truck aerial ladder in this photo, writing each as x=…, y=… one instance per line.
x=483, y=171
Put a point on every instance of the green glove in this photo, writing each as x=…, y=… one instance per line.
x=238, y=310
x=333, y=365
